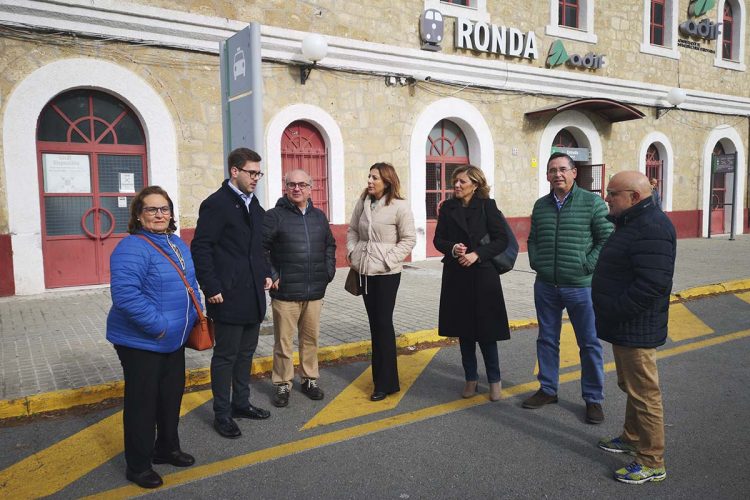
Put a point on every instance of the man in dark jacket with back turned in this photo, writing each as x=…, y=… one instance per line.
x=630, y=290
x=232, y=272
x=302, y=254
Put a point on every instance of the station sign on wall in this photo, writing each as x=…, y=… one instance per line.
x=704, y=29
x=477, y=36
x=557, y=55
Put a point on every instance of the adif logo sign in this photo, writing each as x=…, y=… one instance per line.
x=706, y=29
x=557, y=55
x=700, y=7
x=485, y=37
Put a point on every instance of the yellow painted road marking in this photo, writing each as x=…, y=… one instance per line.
x=684, y=325
x=569, y=351
x=744, y=296
x=354, y=400
x=53, y=468
x=197, y=473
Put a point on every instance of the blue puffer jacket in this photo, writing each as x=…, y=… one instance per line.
x=151, y=308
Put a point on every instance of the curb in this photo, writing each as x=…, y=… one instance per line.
x=66, y=399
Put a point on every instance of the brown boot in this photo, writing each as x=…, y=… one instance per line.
x=539, y=399
x=470, y=388
x=495, y=391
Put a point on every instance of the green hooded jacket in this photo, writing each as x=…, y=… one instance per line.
x=564, y=244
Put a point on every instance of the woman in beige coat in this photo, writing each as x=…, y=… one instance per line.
x=380, y=237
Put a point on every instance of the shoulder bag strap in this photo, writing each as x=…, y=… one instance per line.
x=182, y=275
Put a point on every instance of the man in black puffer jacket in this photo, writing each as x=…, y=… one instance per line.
x=302, y=253
x=630, y=291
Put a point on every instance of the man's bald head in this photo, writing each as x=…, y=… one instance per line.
x=626, y=189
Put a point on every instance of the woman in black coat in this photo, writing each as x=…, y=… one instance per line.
x=472, y=307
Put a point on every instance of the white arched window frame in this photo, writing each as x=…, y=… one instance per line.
x=481, y=154
x=738, y=35
x=585, y=31
x=477, y=11
x=584, y=132
x=334, y=141
x=666, y=154
x=669, y=49
x=20, y=150
x=732, y=142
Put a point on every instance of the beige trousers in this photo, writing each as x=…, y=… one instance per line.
x=638, y=377
x=302, y=318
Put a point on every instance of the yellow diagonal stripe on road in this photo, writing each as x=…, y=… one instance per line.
x=684, y=325
x=197, y=473
x=744, y=296
x=54, y=468
x=569, y=352
x=354, y=400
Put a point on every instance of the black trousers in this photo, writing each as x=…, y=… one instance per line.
x=154, y=384
x=380, y=300
x=230, y=366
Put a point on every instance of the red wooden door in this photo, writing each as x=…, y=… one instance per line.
x=447, y=149
x=302, y=147
x=718, y=197
x=92, y=161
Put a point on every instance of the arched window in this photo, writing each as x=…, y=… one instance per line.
x=655, y=167
x=727, y=31
x=302, y=146
x=447, y=149
x=564, y=139
x=92, y=160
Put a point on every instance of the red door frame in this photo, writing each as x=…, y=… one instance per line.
x=303, y=146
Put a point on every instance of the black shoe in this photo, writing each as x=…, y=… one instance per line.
x=539, y=399
x=378, y=396
x=311, y=389
x=177, y=458
x=251, y=412
x=594, y=413
x=145, y=479
x=226, y=427
x=281, y=398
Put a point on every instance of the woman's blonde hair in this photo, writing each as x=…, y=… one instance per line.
x=476, y=176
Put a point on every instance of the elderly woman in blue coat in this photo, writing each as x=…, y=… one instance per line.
x=150, y=320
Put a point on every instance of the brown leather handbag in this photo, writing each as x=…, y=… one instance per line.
x=202, y=335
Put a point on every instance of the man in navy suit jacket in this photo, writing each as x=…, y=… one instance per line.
x=233, y=274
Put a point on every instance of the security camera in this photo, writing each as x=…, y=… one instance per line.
x=421, y=76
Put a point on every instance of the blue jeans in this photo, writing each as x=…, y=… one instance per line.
x=469, y=360
x=550, y=302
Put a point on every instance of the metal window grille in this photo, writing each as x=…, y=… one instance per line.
x=447, y=149
x=303, y=147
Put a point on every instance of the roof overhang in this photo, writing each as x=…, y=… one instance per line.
x=607, y=108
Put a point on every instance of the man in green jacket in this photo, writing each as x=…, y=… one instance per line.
x=568, y=230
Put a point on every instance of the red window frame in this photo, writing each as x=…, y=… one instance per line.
x=655, y=166
x=658, y=27
x=563, y=19
x=463, y=3
x=727, y=30
x=442, y=151
x=303, y=146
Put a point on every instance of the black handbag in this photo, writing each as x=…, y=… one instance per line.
x=504, y=261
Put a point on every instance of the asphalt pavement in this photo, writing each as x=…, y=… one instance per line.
x=54, y=354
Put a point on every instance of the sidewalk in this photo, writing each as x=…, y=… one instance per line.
x=56, y=341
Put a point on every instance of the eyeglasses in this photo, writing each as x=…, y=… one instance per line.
x=165, y=210
x=301, y=185
x=555, y=171
x=615, y=193
x=254, y=174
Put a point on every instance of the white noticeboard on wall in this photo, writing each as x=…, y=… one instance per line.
x=66, y=173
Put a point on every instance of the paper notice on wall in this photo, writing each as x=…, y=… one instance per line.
x=122, y=202
x=66, y=173
x=127, y=182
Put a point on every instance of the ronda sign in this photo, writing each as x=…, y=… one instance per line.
x=484, y=37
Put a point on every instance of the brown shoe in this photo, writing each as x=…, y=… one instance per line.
x=594, y=413
x=469, y=389
x=539, y=399
x=495, y=391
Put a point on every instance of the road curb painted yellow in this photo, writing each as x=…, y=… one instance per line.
x=70, y=398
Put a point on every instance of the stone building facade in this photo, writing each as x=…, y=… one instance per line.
x=377, y=95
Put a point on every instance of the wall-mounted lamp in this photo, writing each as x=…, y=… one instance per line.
x=675, y=97
x=314, y=48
